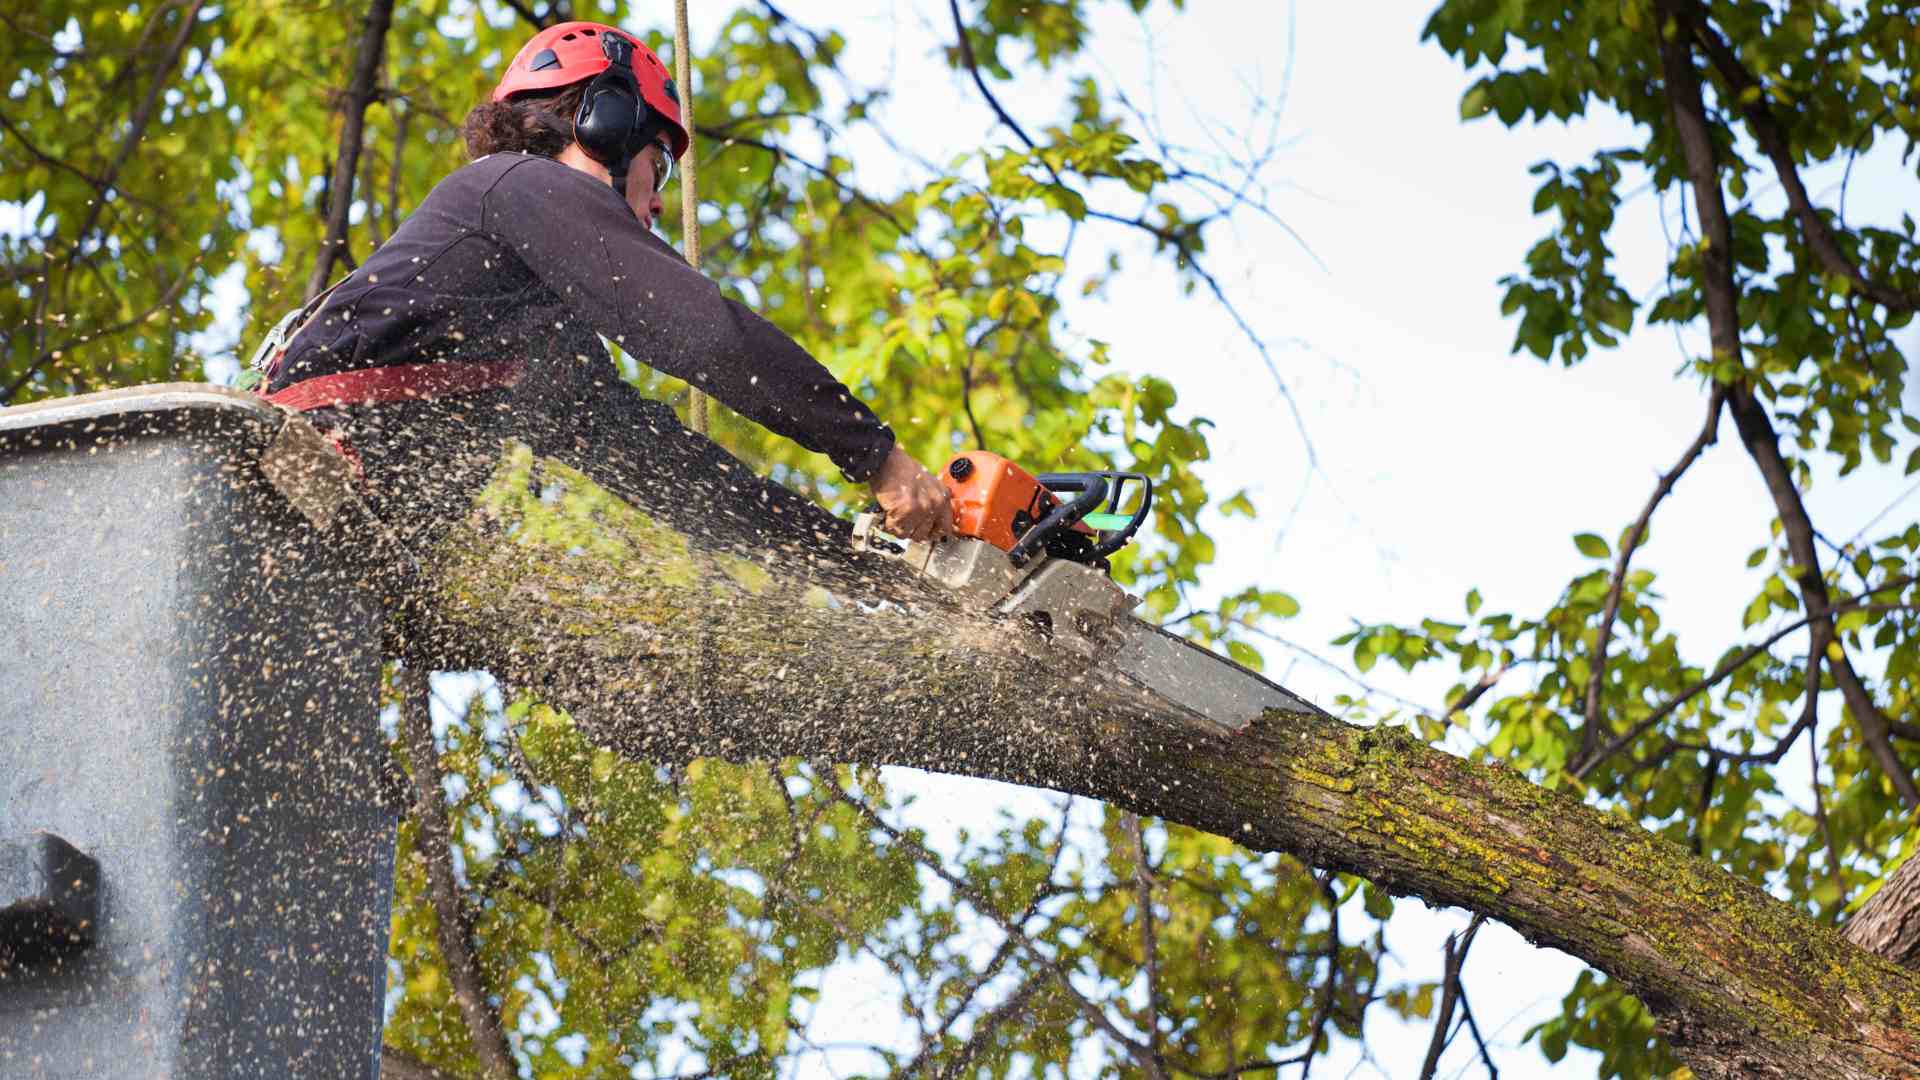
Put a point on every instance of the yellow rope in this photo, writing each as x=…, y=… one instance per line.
x=689, y=197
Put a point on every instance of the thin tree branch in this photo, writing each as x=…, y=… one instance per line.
x=1819, y=802
x=137, y=124
x=1707, y=781
x=1590, y=730
x=1486, y=1055
x=1322, y=1013
x=1451, y=994
x=19, y=136
x=1001, y=954
x=1750, y=416
x=1745, y=91
x=1476, y=691
x=539, y=22
x=402, y=122
x=973, y=68
x=1780, y=747
x=965, y=890
x=1149, y=941
x=986, y=1026
x=1721, y=673
x=48, y=355
x=1330, y=992
x=726, y=136
x=781, y=18
x=433, y=843
x=1188, y=257
x=361, y=92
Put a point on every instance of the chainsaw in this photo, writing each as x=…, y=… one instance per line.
x=1035, y=549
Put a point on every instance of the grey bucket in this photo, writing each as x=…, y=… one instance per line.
x=195, y=860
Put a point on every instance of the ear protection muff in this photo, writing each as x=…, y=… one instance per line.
x=613, y=123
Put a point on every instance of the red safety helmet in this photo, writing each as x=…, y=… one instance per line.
x=571, y=52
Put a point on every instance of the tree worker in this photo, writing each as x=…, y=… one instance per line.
x=484, y=314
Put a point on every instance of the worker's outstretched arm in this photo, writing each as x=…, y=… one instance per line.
x=635, y=290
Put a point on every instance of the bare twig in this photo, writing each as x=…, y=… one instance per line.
x=1330, y=991
x=1707, y=781
x=19, y=136
x=1486, y=1055
x=973, y=68
x=1183, y=245
x=1452, y=994
x=1477, y=691
x=781, y=18
x=1590, y=730
x=1001, y=955
x=402, y=123
x=539, y=22
x=966, y=891
x=728, y=137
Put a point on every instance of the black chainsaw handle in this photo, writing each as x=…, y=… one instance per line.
x=1092, y=488
x=1114, y=539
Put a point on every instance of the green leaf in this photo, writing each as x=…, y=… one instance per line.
x=1592, y=546
x=1279, y=604
x=1476, y=102
x=1245, y=655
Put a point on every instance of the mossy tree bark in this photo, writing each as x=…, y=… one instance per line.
x=669, y=644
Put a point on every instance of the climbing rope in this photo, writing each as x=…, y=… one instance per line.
x=689, y=197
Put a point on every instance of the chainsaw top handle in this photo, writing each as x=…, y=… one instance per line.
x=1062, y=517
x=1114, y=529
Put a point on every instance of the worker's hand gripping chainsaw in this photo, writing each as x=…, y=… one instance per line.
x=1022, y=551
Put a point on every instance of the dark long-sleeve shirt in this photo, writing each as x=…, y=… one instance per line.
x=522, y=258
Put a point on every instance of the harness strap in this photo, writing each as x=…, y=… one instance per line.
x=399, y=382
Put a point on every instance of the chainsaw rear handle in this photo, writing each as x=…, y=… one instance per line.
x=1092, y=488
x=1115, y=484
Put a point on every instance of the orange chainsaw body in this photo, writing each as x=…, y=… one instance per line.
x=995, y=500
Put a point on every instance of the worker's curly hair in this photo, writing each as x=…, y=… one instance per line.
x=540, y=124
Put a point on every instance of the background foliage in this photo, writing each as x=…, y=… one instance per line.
x=174, y=161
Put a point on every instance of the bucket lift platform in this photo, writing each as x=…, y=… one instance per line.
x=195, y=859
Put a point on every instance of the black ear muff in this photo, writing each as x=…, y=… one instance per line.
x=613, y=122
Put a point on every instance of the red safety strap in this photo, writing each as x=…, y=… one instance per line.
x=400, y=382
